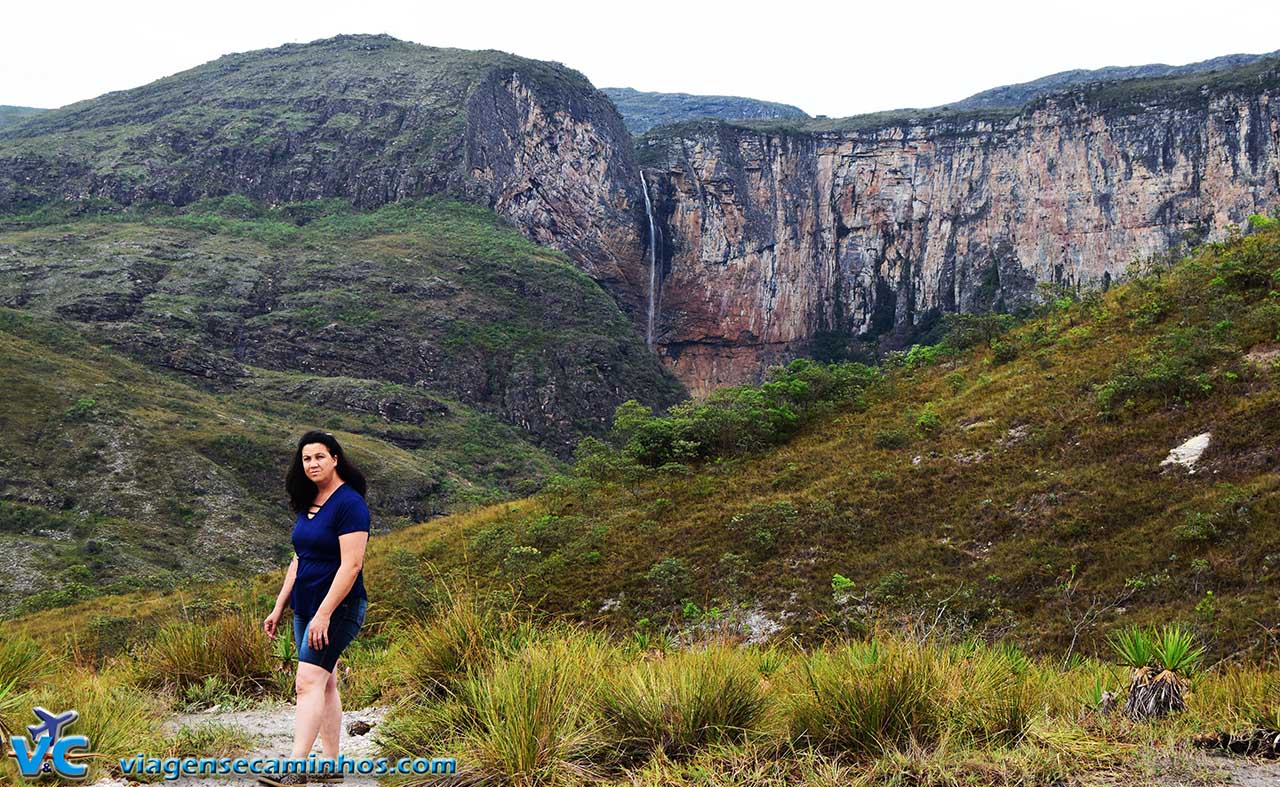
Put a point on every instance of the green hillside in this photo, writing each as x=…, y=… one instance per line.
x=1014, y=488
x=432, y=294
x=11, y=116
x=160, y=363
x=367, y=117
x=117, y=477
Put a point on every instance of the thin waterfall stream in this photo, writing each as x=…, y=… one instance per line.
x=653, y=259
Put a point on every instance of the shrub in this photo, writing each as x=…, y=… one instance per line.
x=669, y=580
x=1198, y=527
x=1168, y=370
x=732, y=420
x=892, y=437
x=928, y=421
x=1003, y=352
x=1161, y=660
x=80, y=410
x=969, y=330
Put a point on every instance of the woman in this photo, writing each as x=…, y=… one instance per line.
x=325, y=587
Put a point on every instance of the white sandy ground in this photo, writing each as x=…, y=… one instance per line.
x=1187, y=454
x=271, y=729
x=1197, y=770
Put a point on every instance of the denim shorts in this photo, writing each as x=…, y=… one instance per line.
x=344, y=624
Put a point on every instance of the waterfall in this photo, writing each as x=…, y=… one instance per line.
x=653, y=259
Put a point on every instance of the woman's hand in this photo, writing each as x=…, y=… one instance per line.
x=272, y=623
x=318, y=631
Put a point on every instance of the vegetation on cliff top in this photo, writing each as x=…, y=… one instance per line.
x=642, y=110
x=1116, y=96
x=347, y=102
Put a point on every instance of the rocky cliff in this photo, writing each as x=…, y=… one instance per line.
x=369, y=118
x=776, y=236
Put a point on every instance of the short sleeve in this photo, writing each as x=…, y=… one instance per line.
x=354, y=517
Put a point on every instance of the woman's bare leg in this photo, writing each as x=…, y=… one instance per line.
x=310, y=685
x=331, y=725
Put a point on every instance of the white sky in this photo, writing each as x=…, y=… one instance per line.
x=832, y=58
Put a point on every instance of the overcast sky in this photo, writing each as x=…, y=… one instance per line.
x=832, y=58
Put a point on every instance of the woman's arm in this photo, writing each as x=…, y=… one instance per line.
x=289, y=576
x=352, y=546
x=273, y=620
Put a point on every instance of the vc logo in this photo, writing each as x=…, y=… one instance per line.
x=48, y=750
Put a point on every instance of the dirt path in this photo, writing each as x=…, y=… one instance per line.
x=271, y=729
x=1193, y=769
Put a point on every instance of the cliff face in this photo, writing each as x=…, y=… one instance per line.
x=367, y=118
x=773, y=238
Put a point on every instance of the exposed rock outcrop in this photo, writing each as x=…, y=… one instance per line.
x=775, y=237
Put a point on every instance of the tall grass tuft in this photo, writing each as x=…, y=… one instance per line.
x=23, y=662
x=867, y=699
x=119, y=719
x=525, y=721
x=992, y=696
x=688, y=700
x=438, y=654
x=232, y=649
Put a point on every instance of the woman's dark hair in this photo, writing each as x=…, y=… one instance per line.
x=302, y=490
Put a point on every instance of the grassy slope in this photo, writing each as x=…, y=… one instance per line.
x=119, y=477
x=428, y=293
x=1017, y=509
x=241, y=101
x=1036, y=492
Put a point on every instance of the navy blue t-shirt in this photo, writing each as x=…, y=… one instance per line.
x=315, y=541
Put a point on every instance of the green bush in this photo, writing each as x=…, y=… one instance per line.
x=963, y=331
x=1003, y=352
x=669, y=580
x=892, y=437
x=733, y=420
x=928, y=421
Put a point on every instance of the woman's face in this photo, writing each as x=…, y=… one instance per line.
x=318, y=463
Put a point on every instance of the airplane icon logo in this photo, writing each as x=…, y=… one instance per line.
x=50, y=724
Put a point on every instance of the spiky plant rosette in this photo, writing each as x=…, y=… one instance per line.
x=1161, y=659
